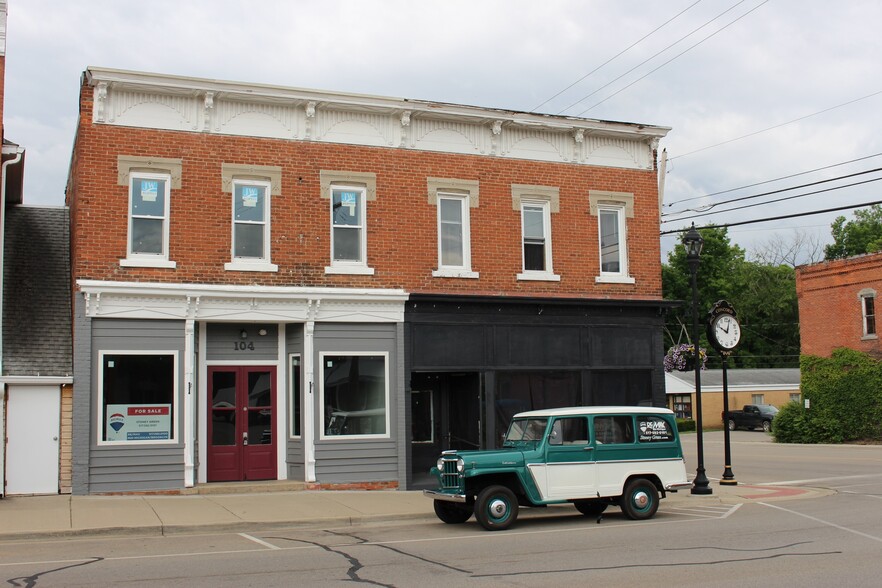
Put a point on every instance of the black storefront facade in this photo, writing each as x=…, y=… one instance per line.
x=471, y=362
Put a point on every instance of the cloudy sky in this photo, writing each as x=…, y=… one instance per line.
x=754, y=90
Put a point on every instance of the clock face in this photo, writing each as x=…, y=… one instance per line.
x=727, y=331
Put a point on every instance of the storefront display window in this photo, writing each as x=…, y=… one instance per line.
x=138, y=397
x=355, y=394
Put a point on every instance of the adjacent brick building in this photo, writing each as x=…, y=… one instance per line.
x=278, y=283
x=838, y=305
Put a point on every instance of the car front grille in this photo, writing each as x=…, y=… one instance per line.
x=449, y=476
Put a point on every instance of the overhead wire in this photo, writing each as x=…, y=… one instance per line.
x=617, y=92
x=726, y=142
x=617, y=55
x=582, y=99
x=774, y=218
x=755, y=184
x=772, y=192
x=701, y=214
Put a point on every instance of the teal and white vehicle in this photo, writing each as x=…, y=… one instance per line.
x=592, y=457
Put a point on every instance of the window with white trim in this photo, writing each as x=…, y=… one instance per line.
x=454, y=248
x=868, y=312
x=149, y=195
x=536, y=204
x=348, y=193
x=250, y=249
x=137, y=397
x=612, y=226
x=537, y=250
x=355, y=395
x=347, y=224
x=612, y=210
x=453, y=198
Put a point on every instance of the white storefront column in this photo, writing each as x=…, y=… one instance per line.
x=282, y=387
x=309, y=395
x=189, y=404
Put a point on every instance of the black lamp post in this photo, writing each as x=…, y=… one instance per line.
x=693, y=242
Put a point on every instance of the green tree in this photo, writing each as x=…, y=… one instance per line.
x=719, y=262
x=763, y=294
x=861, y=235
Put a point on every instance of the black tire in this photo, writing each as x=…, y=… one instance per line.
x=767, y=426
x=496, y=508
x=640, y=499
x=732, y=426
x=451, y=512
x=590, y=508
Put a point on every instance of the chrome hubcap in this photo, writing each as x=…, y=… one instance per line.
x=641, y=500
x=498, y=508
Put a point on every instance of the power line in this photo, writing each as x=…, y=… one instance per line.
x=617, y=55
x=649, y=59
x=779, y=199
x=671, y=59
x=817, y=183
x=817, y=169
x=774, y=127
x=774, y=218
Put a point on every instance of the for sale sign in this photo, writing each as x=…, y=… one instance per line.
x=138, y=422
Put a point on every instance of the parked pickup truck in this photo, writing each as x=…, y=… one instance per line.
x=752, y=416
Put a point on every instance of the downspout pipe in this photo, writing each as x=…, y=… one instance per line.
x=19, y=151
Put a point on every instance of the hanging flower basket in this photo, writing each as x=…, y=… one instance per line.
x=681, y=358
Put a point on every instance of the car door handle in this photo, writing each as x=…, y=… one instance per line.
x=589, y=448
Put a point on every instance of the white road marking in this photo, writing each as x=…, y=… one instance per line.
x=823, y=522
x=259, y=541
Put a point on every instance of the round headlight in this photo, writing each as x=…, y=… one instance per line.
x=460, y=465
x=440, y=464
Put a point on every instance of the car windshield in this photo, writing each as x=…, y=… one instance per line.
x=525, y=430
x=768, y=409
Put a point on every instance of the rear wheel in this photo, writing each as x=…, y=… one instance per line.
x=496, y=508
x=451, y=512
x=640, y=499
x=731, y=425
x=590, y=508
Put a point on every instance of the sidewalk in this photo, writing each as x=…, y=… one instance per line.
x=35, y=517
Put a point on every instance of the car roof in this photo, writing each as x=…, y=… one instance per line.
x=586, y=410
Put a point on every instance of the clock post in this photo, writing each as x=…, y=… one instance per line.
x=724, y=334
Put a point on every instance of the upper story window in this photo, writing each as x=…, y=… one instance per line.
x=454, y=199
x=612, y=209
x=150, y=182
x=148, y=215
x=348, y=193
x=251, y=189
x=868, y=310
x=348, y=237
x=536, y=203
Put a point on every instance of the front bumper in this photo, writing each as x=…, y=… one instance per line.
x=434, y=494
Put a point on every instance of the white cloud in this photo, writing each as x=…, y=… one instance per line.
x=784, y=60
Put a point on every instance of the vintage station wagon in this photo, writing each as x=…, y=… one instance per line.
x=589, y=456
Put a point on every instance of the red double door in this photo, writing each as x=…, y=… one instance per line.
x=241, y=423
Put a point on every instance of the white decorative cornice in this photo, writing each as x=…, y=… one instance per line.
x=231, y=303
x=233, y=108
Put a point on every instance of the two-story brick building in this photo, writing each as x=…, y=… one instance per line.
x=838, y=305
x=278, y=283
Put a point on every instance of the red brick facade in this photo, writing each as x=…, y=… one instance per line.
x=830, y=305
x=401, y=223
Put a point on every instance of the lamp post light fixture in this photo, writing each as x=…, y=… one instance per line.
x=693, y=242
